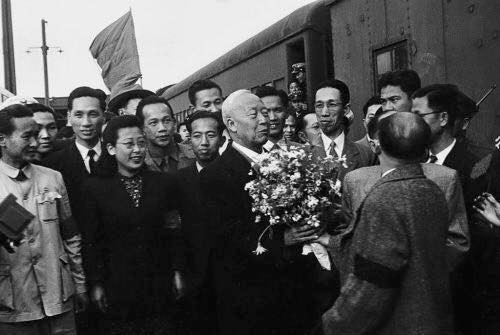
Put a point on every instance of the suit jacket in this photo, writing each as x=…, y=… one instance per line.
x=357, y=156
x=363, y=141
x=121, y=240
x=194, y=229
x=463, y=160
x=357, y=185
x=394, y=273
x=69, y=163
x=247, y=286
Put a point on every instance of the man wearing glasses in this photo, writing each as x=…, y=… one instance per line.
x=158, y=124
x=331, y=104
x=440, y=106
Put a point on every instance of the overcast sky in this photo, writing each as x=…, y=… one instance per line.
x=175, y=38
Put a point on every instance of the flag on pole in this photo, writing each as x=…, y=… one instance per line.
x=115, y=49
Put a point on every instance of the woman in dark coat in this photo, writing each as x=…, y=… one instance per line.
x=127, y=249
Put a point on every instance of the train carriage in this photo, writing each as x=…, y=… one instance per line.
x=455, y=41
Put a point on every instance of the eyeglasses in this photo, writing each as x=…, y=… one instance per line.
x=141, y=144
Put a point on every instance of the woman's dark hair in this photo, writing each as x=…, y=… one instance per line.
x=106, y=165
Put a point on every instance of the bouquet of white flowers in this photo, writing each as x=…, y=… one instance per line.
x=294, y=188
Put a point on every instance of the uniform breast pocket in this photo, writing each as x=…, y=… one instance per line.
x=47, y=208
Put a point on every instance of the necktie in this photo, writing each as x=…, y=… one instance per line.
x=92, y=162
x=333, y=152
x=21, y=176
x=433, y=158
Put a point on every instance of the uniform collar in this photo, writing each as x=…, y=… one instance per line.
x=13, y=172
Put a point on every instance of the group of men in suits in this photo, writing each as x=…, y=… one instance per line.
x=408, y=190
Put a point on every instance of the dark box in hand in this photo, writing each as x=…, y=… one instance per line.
x=13, y=218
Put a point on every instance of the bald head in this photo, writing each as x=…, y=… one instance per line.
x=246, y=119
x=404, y=136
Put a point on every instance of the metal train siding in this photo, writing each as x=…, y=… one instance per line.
x=446, y=41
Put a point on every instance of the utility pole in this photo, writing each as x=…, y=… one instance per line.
x=45, y=50
x=8, y=48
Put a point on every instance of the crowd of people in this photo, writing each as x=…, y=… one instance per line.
x=141, y=225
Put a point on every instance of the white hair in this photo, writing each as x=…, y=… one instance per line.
x=231, y=103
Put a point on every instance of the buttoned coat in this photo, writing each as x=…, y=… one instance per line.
x=358, y=183
x=40, y=278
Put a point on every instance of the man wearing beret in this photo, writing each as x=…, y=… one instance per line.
x=124, y=101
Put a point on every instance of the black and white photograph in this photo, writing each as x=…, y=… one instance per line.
x=232, y=167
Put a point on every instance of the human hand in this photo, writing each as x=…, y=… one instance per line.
x=98, y=297
x=8, y=244
x=493, y=201
x=81, y=302
x=324, y=239
x=178, y=285
x=301, y=234
x=486, y=209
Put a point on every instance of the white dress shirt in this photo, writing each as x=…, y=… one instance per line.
x=254, y=156
x=339, y=144
x=198, y=166
x=441, y=156
x=84, y=152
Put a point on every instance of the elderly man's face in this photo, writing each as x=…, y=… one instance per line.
x=250, y=121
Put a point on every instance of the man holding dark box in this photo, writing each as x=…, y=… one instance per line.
x=43, y=273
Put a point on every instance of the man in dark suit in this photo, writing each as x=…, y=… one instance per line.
x=392, y=258
x=248, y=286
x=206, y=137
x=441, y=105
x=331, y=103
x=77, y=160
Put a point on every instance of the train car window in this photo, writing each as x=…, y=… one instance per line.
x=390, y=58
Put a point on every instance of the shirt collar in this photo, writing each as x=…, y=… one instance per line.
x=327, y=142
x=84, y=151
x=13, y=172
x=441, y=156
x=198, y=166
x=387, y=172
x=254, y=156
